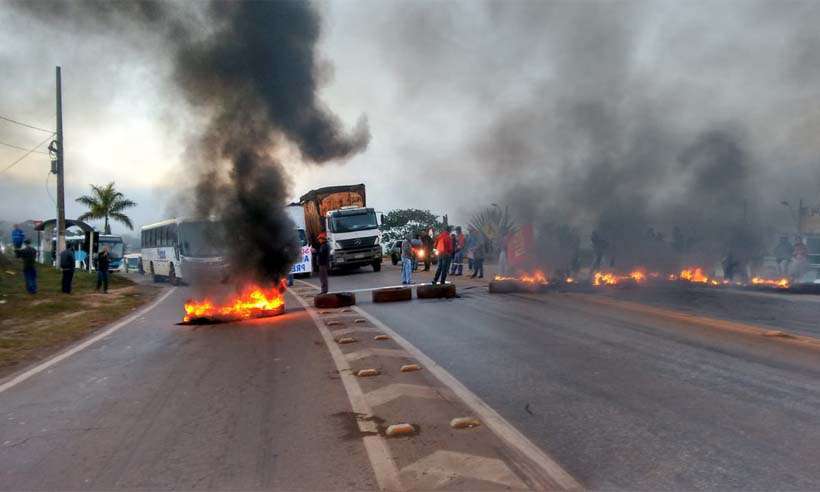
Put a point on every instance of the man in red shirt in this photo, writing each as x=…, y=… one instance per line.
x=444, y=246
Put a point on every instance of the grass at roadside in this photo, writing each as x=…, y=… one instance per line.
x=35, y=326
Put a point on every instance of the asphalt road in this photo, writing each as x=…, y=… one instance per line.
x=624, y=400
x=156, y=406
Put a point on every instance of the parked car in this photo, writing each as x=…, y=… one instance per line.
x=395, y=253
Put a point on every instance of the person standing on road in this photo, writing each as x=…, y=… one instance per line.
x=502, y=254
x=478, y=250
x=406, y=261
x=103, y=262
x=323, y=259
x=67, y=264
x=444, y=246
x=427, y=244
x=458, y=253
x=783, y=253
x=28, y=255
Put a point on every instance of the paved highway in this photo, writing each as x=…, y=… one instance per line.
x=625, y=400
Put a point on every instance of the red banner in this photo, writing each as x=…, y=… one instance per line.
x=520, y=247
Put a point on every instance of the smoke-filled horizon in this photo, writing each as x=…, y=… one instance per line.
x=689, y=119
x=249, y=70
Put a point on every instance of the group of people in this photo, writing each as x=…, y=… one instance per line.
x=452, y=246
x=67, y=262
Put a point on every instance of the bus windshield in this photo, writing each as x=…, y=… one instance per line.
x=353, y=222
x=201, y=239
x=116, y=248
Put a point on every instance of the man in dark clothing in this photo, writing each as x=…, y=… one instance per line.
x=444, y=246
x=17, y=237
x=67, y=266
x=479, y=251
x=427, y=244
x=323, y=257
x=29, y=255
x=599, y=248
x=103, y=262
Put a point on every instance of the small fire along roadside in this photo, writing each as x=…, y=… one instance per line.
x=252, y=301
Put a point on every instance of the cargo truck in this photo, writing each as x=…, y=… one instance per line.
x=352, y=228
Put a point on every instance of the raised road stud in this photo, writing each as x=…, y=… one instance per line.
x=399, y=430
x=381, y=337
x=464, y=423
x=360, y=320
x=438, y=291
x=393, y=294
x=346, y=340
x=334, y=300
x=366, y=373
x=410, y=368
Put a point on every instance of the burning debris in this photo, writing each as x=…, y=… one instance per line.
x=253, y=301
x=526, y=282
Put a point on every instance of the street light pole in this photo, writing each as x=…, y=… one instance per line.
x=60, y=172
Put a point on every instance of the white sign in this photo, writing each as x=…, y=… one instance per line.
x=305, y=264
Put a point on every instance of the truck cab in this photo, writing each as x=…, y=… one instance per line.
x=354, y=237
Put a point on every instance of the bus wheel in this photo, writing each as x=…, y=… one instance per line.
x=154, y=276
x=172, y=276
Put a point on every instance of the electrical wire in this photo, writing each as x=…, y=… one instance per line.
x=26, y=154
x=22, y=148
x=25, y=124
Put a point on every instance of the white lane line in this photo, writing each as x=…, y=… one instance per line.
x=361, y=354
x=388, y=393
x=504, y=430
x=437, y=470
x=73, y=350
x=381, y=460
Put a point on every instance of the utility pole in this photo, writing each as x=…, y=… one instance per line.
x=60, y=173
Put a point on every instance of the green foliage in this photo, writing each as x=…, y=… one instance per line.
x=105, y=202
x=398, y=223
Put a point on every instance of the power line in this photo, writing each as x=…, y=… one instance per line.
x=25, y=124
x=21, y=148
x=26, y=154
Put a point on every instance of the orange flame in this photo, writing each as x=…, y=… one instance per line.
x=536, y=277
x=781, y=283
x=694, y=275
x=609, y=278
x=254, y=301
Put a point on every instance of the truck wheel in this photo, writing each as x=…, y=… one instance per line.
x=377, y=266
x=394, y=260
x=172, y=276
x=393, y=294
x=445, y=291
x=335, y=300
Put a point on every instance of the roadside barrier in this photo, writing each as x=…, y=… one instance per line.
x=393, y=294
x=334, y=300
x=445, y=291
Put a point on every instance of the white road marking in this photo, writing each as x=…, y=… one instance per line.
x=361, y=354
x=73, y=350
x=381, y=460
x=542, y=463
x=388, y=393
x=438, y=469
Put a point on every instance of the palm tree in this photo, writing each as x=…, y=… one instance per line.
x=105, y=202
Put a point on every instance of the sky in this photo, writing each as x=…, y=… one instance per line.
x=532, y=104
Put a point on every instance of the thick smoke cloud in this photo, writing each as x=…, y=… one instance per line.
x=249, y=69
x=631, y=118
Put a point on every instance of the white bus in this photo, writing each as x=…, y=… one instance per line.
x=183, y=250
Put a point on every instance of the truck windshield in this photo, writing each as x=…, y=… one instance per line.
x=353, y=222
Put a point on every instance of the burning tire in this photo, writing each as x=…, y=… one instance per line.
x=507, y=286
x=445, y=291
x=393, y=294
x=335, y=300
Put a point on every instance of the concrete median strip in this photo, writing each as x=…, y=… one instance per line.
x=423, y=463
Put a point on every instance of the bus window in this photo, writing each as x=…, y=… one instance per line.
x=171, y=235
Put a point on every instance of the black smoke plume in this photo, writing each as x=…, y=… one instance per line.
x=250, y=69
